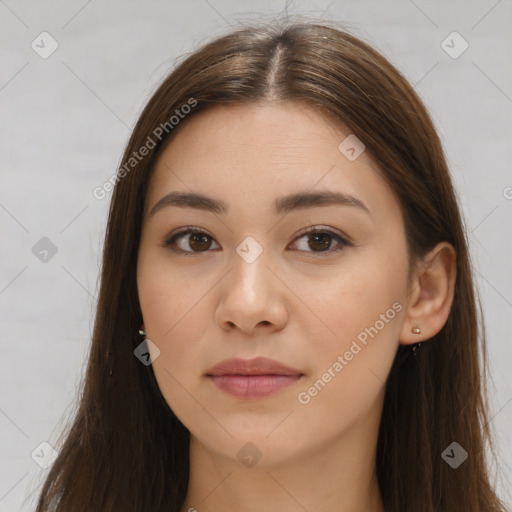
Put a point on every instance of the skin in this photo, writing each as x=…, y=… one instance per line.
x=294, y=303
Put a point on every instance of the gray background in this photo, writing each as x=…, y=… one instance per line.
x=65, y=121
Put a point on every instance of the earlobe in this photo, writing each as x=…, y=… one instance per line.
x=431, y=295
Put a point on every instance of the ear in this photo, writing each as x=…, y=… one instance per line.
x=430, y=294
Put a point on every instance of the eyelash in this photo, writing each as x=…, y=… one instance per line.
x=187, y=230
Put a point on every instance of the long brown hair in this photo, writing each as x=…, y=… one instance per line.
x=125, y=450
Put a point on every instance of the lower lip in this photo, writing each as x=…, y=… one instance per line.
x=253, y=386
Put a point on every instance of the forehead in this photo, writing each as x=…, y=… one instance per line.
x=273, y=131
x=255, y=152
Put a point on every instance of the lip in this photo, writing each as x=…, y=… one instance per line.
x=252, y=378
x=256, y=366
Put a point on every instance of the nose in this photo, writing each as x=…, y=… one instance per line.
x=252, y=297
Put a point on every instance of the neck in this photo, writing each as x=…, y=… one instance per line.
x=336, y=477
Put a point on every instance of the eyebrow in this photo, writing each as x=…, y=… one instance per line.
x=285, y=204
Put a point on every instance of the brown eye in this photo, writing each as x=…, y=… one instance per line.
x=320, y=241
x=190, y=241
x=199, y=241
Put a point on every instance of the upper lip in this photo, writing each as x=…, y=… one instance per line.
x=256, y=366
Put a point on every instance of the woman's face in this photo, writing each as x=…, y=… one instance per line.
x=246, y=283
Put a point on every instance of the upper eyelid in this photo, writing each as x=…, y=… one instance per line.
x=304, y=231
x=187, y=230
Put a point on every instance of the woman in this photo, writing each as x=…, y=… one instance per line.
x=286, y=319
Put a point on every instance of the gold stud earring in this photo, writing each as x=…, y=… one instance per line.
x=416, y=330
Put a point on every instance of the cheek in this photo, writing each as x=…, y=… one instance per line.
x=351, y=367
x=174, y=313
x=363, y=297
x=175, y=319
x=361, y=315
x=167, y=294
x=179, y=336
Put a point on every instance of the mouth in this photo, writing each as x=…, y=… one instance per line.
x=253, y=386
x=254, y=378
